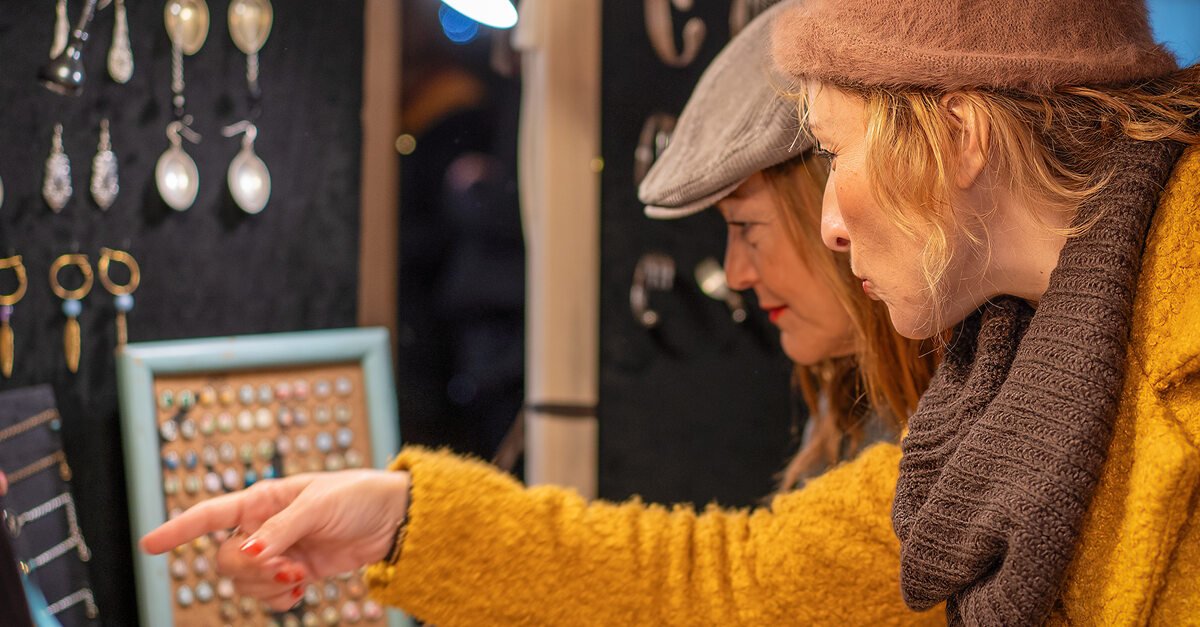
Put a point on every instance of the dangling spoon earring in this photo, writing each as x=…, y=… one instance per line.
x=249, y=179
x=250, y=24
x=176, y=173
x=187, y=26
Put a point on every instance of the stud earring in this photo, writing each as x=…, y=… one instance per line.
x=123, y=294
x=7, y=301
x=105, y=184
x=56, y=187
x=72, y=303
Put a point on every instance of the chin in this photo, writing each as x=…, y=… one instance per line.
x=912, y=324
x=802, y=353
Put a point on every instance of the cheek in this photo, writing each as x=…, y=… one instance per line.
x=853, y=198
x=779, y=267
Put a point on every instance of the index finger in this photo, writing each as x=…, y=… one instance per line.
x=222, y=512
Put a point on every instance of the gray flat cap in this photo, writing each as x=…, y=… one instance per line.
x=737, y=122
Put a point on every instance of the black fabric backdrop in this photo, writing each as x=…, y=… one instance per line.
x=209, y=271
x=698, y=410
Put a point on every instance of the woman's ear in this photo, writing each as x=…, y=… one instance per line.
x=973, y=128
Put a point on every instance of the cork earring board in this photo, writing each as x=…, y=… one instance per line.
x=206, y=417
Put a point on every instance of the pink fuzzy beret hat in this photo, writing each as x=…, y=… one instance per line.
x=1026, y=45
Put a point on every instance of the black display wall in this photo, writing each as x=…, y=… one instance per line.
x=698, y=409
x=212, y=270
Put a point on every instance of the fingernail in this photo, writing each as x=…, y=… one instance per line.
x=252, y=547
x=289, y=577
x=296, y=592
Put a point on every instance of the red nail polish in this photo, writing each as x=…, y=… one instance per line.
x=297, y=577
x=296, y=592
x=283, y=578
x=252, y=548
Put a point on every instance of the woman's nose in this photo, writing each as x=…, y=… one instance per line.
x=739, y=272
x=833, y=228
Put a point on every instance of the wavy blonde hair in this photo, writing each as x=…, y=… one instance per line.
x=1051, y=149
x=887, y=374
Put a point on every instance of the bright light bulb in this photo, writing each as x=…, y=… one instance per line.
x=494, y=13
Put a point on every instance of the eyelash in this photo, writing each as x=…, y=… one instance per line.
x=825, y=154
x=744, y=229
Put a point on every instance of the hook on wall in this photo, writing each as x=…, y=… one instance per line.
x=710, y=276
x=653, y=140
x=741, y=12
x=660, y=26
x=654, y=272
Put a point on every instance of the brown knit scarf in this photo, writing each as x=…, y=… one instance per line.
x=1006, y=447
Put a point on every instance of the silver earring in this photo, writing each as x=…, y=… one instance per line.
x=249, y=25
x=120, y=54
x=56, y=187
x=62, y=29
x=176, y=173
x=248, y=177
x=105, y=184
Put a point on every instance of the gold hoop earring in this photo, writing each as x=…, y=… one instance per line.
x=72, y=303
x=7, y=301
x=123, y=294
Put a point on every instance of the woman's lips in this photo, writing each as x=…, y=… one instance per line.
x=774, y=312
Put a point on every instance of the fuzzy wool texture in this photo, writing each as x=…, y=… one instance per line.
x=483, y=550
x=1138, y=561
x=1006, y=448
x=1002, y=44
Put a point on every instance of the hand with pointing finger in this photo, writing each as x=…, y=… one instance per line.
x=296, y=529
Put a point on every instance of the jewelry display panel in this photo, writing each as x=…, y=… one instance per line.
x=223, y=432
x=40, y=514
x=217, y=416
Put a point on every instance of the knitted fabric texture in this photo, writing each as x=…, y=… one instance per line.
x=1004, y=44
x=1006, y=447
x=482, y=549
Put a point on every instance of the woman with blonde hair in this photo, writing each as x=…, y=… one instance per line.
x=1025, y=176
x=456, y=542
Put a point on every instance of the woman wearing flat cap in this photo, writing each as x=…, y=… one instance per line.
x=1026, y=177
x=455, y=542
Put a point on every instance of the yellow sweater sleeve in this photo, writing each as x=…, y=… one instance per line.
x=481, y=549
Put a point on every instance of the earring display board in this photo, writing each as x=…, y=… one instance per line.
x=39, y=514
x=666, y=395
x=210, y=271
x=211, y=416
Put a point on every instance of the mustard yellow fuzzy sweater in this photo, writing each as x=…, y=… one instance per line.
x=483, y=550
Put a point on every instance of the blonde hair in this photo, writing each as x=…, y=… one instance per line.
x=1051, y=150
x=887, y=374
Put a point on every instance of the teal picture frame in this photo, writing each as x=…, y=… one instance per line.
x=139, y=364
